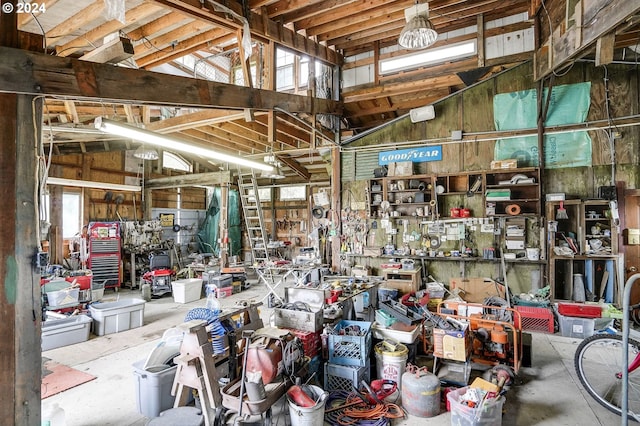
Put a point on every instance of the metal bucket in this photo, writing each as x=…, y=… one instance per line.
x=391, y=360
x=420, y=392
x=308, y=416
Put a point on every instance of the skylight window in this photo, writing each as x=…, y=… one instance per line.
x=427, y=57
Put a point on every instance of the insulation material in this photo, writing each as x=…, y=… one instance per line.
x=569, y=104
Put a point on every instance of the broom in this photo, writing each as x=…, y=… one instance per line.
x=561, y=214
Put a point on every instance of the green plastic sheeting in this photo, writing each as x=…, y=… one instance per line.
x=569, y=104
x=208, y=235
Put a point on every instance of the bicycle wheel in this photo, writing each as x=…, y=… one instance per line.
x=598, y=362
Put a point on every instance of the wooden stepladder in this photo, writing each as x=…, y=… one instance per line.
x=196, y=370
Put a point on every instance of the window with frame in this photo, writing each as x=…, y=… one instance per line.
x=71, y=214
x=285, y=69
x=175, y=162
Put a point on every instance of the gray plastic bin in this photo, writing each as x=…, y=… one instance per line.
x=153, y=389
x=114, y=317
x=63, y=332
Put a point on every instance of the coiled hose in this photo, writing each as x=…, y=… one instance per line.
x=212, y=317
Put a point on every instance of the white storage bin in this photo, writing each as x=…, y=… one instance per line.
x=62, y=297
x=114, y=317
x=63, y=332
x=187, y=290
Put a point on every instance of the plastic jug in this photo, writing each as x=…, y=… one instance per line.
x=54, y=415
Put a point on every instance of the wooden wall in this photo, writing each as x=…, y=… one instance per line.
x=109, y=167
x=472, y=111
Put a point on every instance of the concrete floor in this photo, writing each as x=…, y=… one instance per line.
x=548, y=393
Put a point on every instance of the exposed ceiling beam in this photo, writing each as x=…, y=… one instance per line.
x=98, y=33
x=77, y=21
x=39, y=74
x=260, y=27
x=295, y=166
x=200, y=179
x=194, y=119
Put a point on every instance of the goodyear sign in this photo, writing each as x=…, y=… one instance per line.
x=416, y=155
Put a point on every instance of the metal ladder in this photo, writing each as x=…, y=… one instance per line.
x=253, y=218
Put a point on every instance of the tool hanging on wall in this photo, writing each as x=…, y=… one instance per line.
x=108, y=196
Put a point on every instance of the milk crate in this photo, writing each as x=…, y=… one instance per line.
x=310, y=341
x=347, y=349
x=535, y=319
x=344, y=377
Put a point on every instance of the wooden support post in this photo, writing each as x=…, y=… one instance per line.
x=480, y=24
x=336, y=178
x=20, y=304
x=20, y=328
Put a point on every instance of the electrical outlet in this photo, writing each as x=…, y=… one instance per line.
x=42, y=259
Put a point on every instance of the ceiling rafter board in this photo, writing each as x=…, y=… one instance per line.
x=231, y=133
x=96, y=35
x=273, y=31
x=257, y=130
x=171, y=38
x=217, y=140
x=341, y=25
x=82, y=16
x=397, y=105
x=400, y=88
x=159, y=25
x=297, y=10
x=354, y=46
x=338, y=11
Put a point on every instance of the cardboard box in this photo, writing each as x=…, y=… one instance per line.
x=453, y=345
x=514, y=243
x=476, y=290
x=401, y=168
x=510, y=163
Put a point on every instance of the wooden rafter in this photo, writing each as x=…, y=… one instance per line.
x=77, y=21
x=273, y=31
x=95, y=35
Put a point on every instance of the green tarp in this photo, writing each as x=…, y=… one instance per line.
x=569, y=104
x=208, y=235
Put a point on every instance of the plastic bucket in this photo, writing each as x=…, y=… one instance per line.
x=488, y=414
x=308, y=416
x=391, y=360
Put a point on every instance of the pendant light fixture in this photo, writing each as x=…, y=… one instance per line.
x=418, y=32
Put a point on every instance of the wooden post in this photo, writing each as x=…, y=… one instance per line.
x=20, y=356
x=336, y=191
x=20, y=293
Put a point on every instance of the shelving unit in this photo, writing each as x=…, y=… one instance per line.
x=473, y=190
x=522, y=186
x=407, y=196
x=596, y=267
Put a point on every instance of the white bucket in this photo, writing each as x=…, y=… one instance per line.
x=391, y=361
x=308, y=416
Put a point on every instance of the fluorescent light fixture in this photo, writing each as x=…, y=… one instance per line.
x=440, y=54
x=174, y=144
x=92, y=184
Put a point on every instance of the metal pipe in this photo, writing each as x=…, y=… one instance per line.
x=625, y=344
